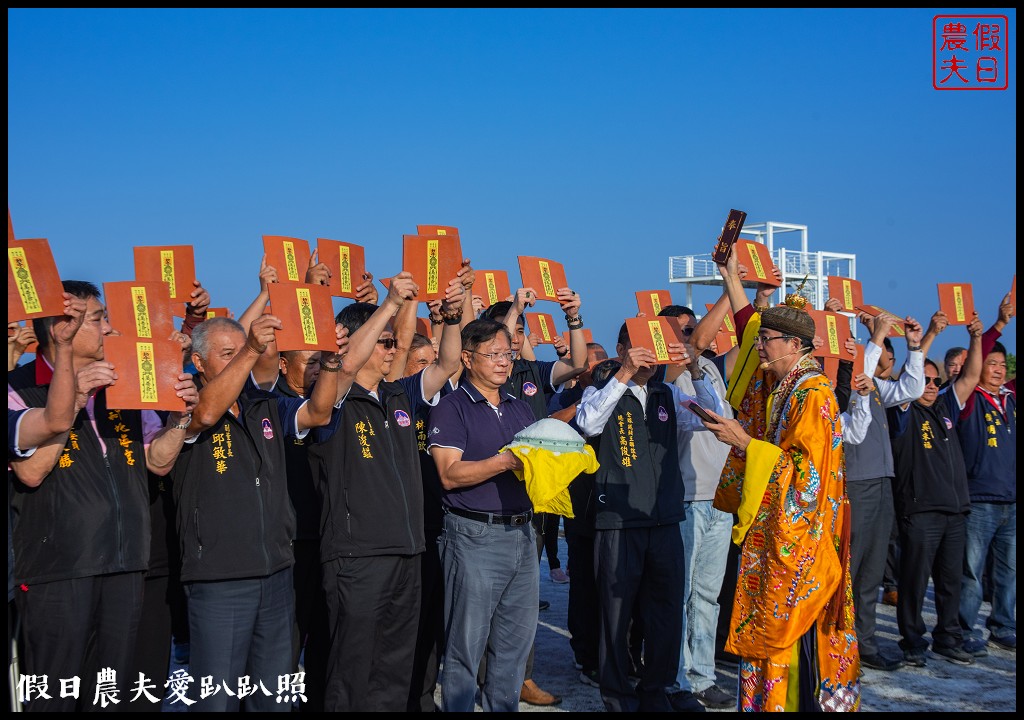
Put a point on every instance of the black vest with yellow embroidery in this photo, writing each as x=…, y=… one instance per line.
x=230, y=486
x=90, y=516
x=369, y=474
x=639, y=483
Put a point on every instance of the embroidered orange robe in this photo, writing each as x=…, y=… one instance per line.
x=789, y=491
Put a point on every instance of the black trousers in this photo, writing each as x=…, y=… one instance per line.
x=639, y=569
x=546, y=525
x=430, y=633
x=584, y=624
x=871, y=513
x=931, y=543
x=152, y=648
x=309, y=631
x=74, y=628
x=373, y=606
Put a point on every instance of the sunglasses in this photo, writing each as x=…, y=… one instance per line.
x=936, y=381
x=687, y=331
x=388, y=343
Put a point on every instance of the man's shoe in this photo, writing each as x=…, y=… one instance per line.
x=954, y=654
x=914, y=658
x=558, y=576
x=880, y=662
x=533, y=695
x=1006, y=642
x=890, y=597
x=543, y=605
x=715, y=697
x=685, y=701
x=589, y=677
x=975, y=647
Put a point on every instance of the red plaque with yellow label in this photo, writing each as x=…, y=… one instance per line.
x=848, y=291
x=543, y=326
x=288, y=255
x=650, y=302
x=34, y=289
x=655, y=334
x=758, y=260
x=347, y=262
x=957, y=301
x=174, y=265
x=545, y=276
x=147, y=370
x=492, y=286
x=219, y=312
x=140, y=309
x=588, y=336
x=306, y=314
x=433, y=260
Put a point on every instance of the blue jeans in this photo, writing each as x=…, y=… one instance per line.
x=238, y=628
x=991, y=527
x=706, y=535
x=491, y=591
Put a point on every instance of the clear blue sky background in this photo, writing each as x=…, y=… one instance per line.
x=607, y=140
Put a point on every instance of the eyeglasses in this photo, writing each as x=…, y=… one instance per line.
x=761, y=339
x=497, y=357
x=936, y=381
x=388, y=343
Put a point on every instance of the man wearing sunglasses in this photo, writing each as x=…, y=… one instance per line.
x=932, y=502
x=368, y=473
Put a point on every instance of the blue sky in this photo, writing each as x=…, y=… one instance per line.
x=607, y=140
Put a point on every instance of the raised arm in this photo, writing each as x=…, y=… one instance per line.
x=449, y=349
x=326, y=391
x=563, y=371
x=970, y=374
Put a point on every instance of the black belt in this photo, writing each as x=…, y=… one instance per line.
x=491, y=518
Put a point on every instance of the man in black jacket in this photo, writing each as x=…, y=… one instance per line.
x=234, y=518
x=640, y=493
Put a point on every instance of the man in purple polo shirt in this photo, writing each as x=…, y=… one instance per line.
x=487, y=545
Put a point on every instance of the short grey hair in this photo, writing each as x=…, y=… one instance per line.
x=201, y=334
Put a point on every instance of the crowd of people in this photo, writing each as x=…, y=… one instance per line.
x=346, y=530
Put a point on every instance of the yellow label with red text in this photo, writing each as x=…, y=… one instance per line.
x=23, y=279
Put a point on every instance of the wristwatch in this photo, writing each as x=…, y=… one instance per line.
x=183, y=425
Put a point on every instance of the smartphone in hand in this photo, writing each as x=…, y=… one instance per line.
x=699, y=411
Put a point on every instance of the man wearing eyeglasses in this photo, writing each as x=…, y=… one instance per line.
x=488, y=543
x=932, y=502
x=368, y=473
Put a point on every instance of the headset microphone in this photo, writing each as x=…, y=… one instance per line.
x=765, y=365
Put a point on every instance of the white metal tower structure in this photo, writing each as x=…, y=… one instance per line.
x=794, y=262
